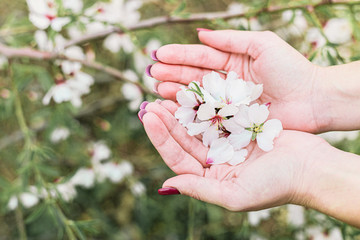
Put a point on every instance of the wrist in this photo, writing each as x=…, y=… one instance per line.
x=337, y=98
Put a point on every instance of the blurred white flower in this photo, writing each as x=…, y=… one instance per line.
x=84, y=177
x=338, y=136
x=43, y=14
x=142, y=57
x=113, y=171
x=138, y=189
x=99, y=152
x=46, y=44
x=338, y=30
x=74, y=5
x=3, y=61
x=66, y=190
x=256, y=217
x=133, y=94
x=60, y=92
x=115, y=41
x=314, y=37
x=299, y=23
x=237, y=8
x=295, y=215
x=13, y=203
x=59, y=134
x=318, y=233
x=130, y=75
x=28, y=200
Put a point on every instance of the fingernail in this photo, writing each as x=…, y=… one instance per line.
x=168, y=191
x=204, y=30
x=158, y=101
x=156, y=86
x=143, y=104
x=147, y=70
x=153, y=56
x=141, y=114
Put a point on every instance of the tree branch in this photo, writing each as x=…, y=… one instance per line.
x=11, y=53
x=198, y=17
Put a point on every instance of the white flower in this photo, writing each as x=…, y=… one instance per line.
x=338, y=30
x=253, y=119
x=115, y=41
x=28, y=200
x=338, y=136
x=113, y=171
x=3, y=61
x=130, y=75
x=60, y=92
x=318, y=233
x=43, y=14
x=74, y=5
x=189, y=102
x=314, y=36
x=298, y=24
x=138, y=189
x=295, y=215
x=256, y=217
x=46, y=44
x=133, y=94
x=66, y=190
x=59, y=134
x=100, y=152
x=221, y=151
x=13, y=203
x=83, y=177
x=212, y=123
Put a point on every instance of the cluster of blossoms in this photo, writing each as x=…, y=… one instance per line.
x=224, y=113
x=100, y=171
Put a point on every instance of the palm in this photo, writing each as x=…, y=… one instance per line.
x=264, y=180
x=287, y=76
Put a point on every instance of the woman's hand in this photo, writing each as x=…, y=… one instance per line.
x=290, y=81
x=301, y=169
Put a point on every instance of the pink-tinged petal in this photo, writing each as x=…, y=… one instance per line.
x=255, y=90
x=228, y=110
x=231, y=126
x=185, y=115
x=258, y=113
x=39, y=21
x=239, y=157
x=242, y=117
x=215, y=85
x=220, y=151
x=241, y=140
x=210, y=135
x=272, y=128
x=205, y=112
x=265, y=142
x=186, y=98
x=197, y=128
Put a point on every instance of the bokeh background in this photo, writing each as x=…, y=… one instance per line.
x=75, y=162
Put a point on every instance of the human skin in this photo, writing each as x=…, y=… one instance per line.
x=304, y=96
x=302, y=169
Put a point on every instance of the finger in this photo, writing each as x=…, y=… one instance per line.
x=178, y=73
x=172, y=153
x=168, y=90
x=170, y=106
x=190, y=144
x=243, y=42
x=208, y=190
x=193, y=55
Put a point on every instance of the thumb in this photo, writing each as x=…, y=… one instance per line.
x=205, y=189
x=243, y=42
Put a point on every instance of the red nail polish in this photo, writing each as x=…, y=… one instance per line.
x=168, y=191
x=204, y=30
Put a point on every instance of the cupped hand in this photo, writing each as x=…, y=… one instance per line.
x=291, y=83
x=265, y=179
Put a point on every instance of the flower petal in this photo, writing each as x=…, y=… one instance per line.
x=231, y=126
x=272, y=127
x=186, y=98
x=242, y=117
x=265, y=142
x=255, y=90
x=258, y=113
x=215, y=85
x=197, y=128
x=239, y=157
x=185, y=115
x=241, y=140
x=59, y=22
x=210, y=135
x=237, y=92
x=206, y=111
x=220, y=151
x=228, y=110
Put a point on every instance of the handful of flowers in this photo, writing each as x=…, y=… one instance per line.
x=224, y=113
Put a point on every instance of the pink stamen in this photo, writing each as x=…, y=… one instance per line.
x=100, y=10
x=268, y=104
x=50, y=17
x=216, y=119
x=209, y=161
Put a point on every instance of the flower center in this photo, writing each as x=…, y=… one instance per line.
x=257, y=128
x=216, y=119
x=50, y=17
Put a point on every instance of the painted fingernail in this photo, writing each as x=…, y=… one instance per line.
x=141, y=114
x=153, y=56
x=158, y=101
x=156, y=86
x=204, y=30
x=168, y=191
x=143, y=104
x=147, y=70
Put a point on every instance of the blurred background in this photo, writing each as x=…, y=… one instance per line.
x=75, y=162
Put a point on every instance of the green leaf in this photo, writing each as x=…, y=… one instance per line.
x=39, y=210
